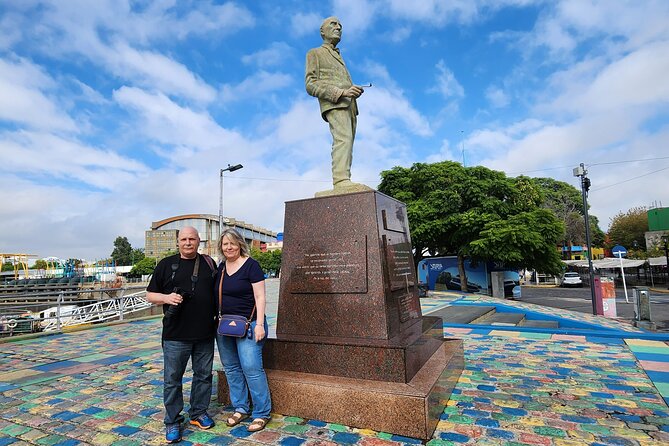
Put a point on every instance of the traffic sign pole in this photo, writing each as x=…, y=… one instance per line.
x=620, y=251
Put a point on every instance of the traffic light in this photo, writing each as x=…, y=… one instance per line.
x=586, y=183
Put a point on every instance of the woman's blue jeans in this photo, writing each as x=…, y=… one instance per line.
x=242, y=363
x=176, y=355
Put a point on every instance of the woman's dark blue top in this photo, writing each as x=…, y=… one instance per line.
x=237, y=296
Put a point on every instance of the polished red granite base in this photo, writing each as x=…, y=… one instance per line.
x=352, y=345
x=411, y=409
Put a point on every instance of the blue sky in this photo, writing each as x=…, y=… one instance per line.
x=115, y=114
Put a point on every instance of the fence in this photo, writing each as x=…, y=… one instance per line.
x=34, y=312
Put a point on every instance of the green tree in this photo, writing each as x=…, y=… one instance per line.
x=171, y=252
x=143, y=267
x=7, y=266
x=277, y=255
x=476, y=213
x=136, y=255
x=566, y=202
x=597, y=236
x=629, y=227
x=122, y=253
x=269, y=261
x=40, y=264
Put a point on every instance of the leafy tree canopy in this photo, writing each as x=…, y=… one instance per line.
x=40, y=264
x=566, y=202
x=122, y=253
x=628, y=228
x=136, y=255
x=475, y=212
x=143, y=267
x=269, y=261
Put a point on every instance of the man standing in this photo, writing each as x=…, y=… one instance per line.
x=328, y=79
x=184, y=284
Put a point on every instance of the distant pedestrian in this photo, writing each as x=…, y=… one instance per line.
x=184, y=284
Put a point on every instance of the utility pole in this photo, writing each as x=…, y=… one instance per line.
x=581, y=172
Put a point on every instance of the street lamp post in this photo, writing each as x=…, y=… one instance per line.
x=220, y=196
x=581, y=172
x=665, y=240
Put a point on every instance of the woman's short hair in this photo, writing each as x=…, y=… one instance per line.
x=237, y=239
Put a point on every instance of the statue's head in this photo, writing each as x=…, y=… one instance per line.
x=331, y=30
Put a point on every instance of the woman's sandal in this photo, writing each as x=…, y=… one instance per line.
x=257, y=424
x=236, y=418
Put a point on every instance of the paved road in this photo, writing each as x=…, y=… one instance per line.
x=579, y=299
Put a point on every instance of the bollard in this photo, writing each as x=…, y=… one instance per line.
x=642, y=317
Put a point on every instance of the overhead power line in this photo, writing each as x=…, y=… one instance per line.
x=591, y=164
x=630, y=179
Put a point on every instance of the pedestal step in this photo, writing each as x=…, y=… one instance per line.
x=411, y=409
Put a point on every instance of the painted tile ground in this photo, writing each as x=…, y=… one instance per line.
x=103, y=386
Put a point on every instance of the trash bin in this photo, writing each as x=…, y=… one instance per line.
x=642, y=318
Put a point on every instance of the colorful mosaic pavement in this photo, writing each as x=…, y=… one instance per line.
x=103, y=386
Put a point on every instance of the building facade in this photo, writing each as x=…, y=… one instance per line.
x=658, y=227
x=161, y=239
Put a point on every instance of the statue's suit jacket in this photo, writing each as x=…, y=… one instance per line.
x=326, y=78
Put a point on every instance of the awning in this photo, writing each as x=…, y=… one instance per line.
x=613, y=262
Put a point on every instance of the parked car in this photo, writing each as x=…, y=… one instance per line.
x=570, y=279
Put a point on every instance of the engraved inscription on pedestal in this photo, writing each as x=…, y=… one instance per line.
x=399, y=259
x=329, y=267
x=407, y=308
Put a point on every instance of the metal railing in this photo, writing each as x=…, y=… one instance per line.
x=36, y=312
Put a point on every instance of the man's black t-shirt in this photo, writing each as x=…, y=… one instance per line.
x=194, y=320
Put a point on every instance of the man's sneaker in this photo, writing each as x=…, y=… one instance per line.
x=203, y=421
x=173, y=433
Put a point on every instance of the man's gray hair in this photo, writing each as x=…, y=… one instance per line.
x=237, y=239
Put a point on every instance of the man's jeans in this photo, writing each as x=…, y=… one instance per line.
x=242, y=362
x=176, y=355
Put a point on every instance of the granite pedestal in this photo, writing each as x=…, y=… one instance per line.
x=352, y=346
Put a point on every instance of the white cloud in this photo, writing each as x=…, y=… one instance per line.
x=399, y=34
x=276, y=54
x=24, y=101
x=446, y=83
x=49, y=156
x=254, y=86
x=302, y=24
x=433, y=11
x=638, y=79
x=386, y=105
x=355, y=15
x=166, y=122
x=497, y=97
x=148, y=68
x=445, y=153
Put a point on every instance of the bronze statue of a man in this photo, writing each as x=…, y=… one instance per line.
x=328, y=79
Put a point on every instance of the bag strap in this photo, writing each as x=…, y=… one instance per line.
x=220, y=297
x=210, y=262
x=220, y=293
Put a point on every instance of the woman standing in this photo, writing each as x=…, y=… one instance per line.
x=243, y=293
